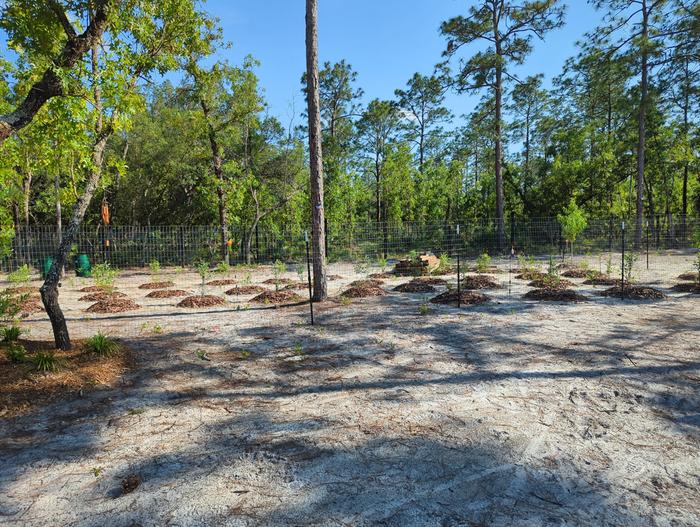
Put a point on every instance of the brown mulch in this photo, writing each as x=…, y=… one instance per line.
x=30, y=306
x=366, y=283
x=545, y=282
x=166, y=293
x=430, y=280
x=202, y=301
x=91, y=289
x=101, y=296
x=602, y=280
x=22, y=388
x=415, y=286
x=479, y=281
x=554, y=295
x=488, y=270
x=363, y=290
x=297, y=286
x=113, y=305
x=442, y=271
x=635, y=292
x=689, y=276
x=530, y=275
x=277, y=297
x=246, y=290
x=223, y=281
x=381, y=276
x=576, y=272
x=332, y=277
x=157, y=285
x=23, y=290
x=467, y=298
x=688, y=287
x=280, y=281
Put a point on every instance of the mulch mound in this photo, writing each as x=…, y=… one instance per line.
x=430, y=280
x=488, y=270
x=223, y=281
x=296, y=286
x=366, y=283
x=554, y=295
x=602, y=280
x=101, y=296
x=332, y=277
x=246, y=290
x=92, y=289
x=467, y=298
x=280, y=281
x=442, y=271
x=415, y=286
x=157, y=285
x=479, y=281
x=22, y=389
x=380, y=276
x=635, y=292
x=530, y=275
x=363, y=290
x=689, y=276
x=545, y=282
x=166, y=293
x=576, y=272
x=689, y=287
x=202, y=301
x=30, y=306
x=24, y=289
x=277, y=297
x=113, y=305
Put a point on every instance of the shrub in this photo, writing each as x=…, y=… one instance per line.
x=628, y=267
x=222, y=267
x=11, y=334
x=101, y=345
x=278, y=269
x=573, y=222
x=154, y=265
x=21, y=275
x=45, y=361
x=10, y=307
x=382, y=263
x=483, y=263
x=17, y=353
x=203, y=271
x=105, y=275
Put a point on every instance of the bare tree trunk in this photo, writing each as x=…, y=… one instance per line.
x=500, y=207
x=641, y=146
x=59, y=218
x=318, y=237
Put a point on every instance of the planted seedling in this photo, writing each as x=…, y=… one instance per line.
x=11, y=334
x=16, y=353
x=483, y=263
x=21, y=275
x=278, y=269
x=154, y=266
x=382, y=263
x=203, y=271
x=202, y=355
x=629, y=267
x=105, y=276
x=46, y=361
x=424, y=309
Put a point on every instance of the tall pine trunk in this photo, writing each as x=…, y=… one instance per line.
x=318, y=234
x=641, y=146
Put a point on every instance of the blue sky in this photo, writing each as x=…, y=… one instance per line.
x=386, y=41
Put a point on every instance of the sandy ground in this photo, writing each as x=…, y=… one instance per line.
x=510, y=413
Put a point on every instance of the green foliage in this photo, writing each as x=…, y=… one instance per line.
x=204, y=272
x=46, y=361
x=154, y=266
x=424, y=309
x=629, y=264
x=483, y=263
x=105, y=275
x=10, y=307
x=573, y=222
x=21, y=275
x=222, y=268
x=16, y=353
x=101, y=345
x=11, y=334
x=382, y=263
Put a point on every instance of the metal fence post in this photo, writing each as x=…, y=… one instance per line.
x=459, y=278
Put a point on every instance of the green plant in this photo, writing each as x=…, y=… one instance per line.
x=158, y=329
x=300, y=273
x=629, y=267
x=203, y=270
x=101, y=345
x=46, y=361
x=223, y=268
x=154, y=265
x=105, y=275
x=11, y=334
x=552, y=270
x=382, y=263
x=483, y=263
x=16, y=353
x=573, y=222
x=361, y=267
x=21, y=275
x=345, y=301
x=202, y=355
x=424, y=309
x=97, y=471
x=278, y=269
x=10, y=307
x=247, y=279
x=298, y=351
x=413, y=254
x=609, y=266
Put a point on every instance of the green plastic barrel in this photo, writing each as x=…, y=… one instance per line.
x=47, y=266
x=82, y=266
